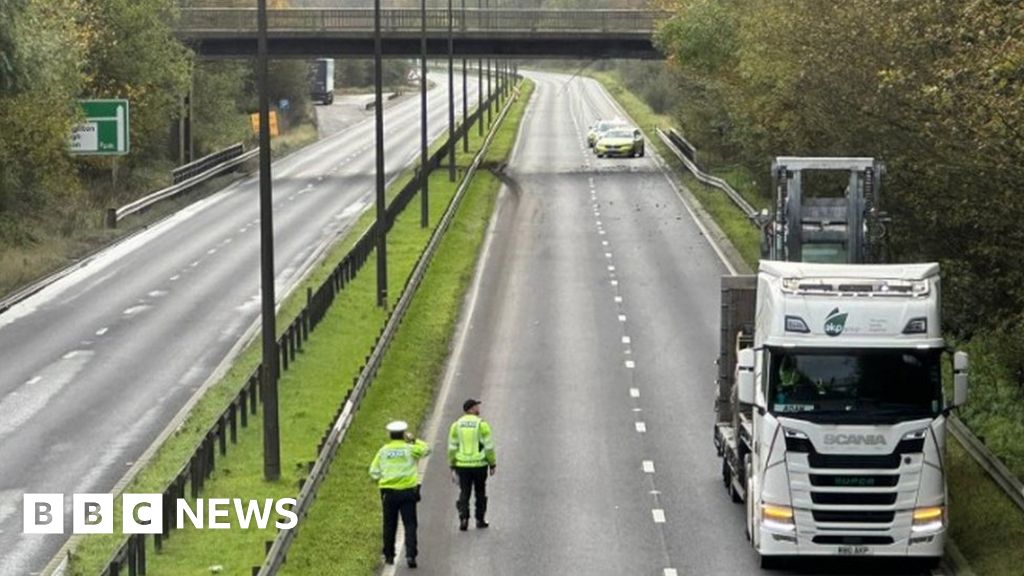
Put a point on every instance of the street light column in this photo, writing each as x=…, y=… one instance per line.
x=451, y=96
x=268, y=382
x=382, y=218
x=424, y=169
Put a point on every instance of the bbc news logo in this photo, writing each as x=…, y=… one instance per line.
x=144, y=513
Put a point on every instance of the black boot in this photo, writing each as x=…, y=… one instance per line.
x=411, y=561
x=481, y=512
x=463, y=524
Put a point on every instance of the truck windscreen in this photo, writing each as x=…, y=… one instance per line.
x=860, y=384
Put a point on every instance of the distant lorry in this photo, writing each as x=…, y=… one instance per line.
x=321, y=81
x=830, y=409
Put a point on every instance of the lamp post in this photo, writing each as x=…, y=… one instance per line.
x=487, y=4
x=451, y=97
x=268, y=382
x=424, y=169
x=382, y=218
x=465, y=96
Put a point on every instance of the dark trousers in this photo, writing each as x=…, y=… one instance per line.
x=400, y=503
x=472, y=480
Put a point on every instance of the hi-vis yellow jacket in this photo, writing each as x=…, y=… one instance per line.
x=394, y=466
x=470, y=444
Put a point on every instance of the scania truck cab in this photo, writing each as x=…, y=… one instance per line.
x=831, y=409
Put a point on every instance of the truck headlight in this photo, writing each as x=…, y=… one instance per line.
x=775, y=517
x=928, y=519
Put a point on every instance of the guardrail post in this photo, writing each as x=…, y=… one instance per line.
x=141, y=559
x=222, y=437
x=111, y=218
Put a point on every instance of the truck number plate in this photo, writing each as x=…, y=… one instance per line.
x=854, y=550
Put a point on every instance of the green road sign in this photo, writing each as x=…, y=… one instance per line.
x=105, y=129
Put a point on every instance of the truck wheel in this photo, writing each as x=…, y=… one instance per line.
x=771, y=562
x=726, y=475
x=734, y=493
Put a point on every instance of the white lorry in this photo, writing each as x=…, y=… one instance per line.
x=831, y=413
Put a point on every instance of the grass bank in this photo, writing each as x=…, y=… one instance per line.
x=61, y=236
x=309, y=394
x=982, y=518
x=341, y=535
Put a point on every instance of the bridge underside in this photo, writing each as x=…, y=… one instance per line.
x=299, y=45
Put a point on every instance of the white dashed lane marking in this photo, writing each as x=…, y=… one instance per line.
x=34, y=380
x=618, y=299
x=102, y=331
x=641, y=427
x=671, y=572
x=634, y=392
x=626, y=340
x=630, y=364
x=622, y=317
x=175, y=277
x=648, y=466
x=659, y=515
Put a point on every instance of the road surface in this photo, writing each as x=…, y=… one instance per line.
x=590, y=335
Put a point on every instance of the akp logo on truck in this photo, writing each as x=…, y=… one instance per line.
x=835, y=322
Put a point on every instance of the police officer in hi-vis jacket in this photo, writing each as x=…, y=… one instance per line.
x=471, y=457
x=394, y=469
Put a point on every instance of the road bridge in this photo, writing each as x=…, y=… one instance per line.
x=341, y=32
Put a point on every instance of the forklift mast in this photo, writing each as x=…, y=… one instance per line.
x=819, y=226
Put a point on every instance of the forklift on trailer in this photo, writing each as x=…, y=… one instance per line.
x=829, y=410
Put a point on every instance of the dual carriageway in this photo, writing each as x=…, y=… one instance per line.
x=589, y=332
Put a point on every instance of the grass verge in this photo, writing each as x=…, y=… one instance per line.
x=404, y=387
x=309, y=394
x=982, y=519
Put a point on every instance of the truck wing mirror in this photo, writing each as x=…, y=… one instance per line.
x=745, y=375
x=961, y=366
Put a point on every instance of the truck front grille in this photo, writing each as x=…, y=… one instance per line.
x=855, y=480
x=877, y=462
x=854, y=498
x=877, y=540
x=854, y=516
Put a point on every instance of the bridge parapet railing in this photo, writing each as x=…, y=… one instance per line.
x=242, y=20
